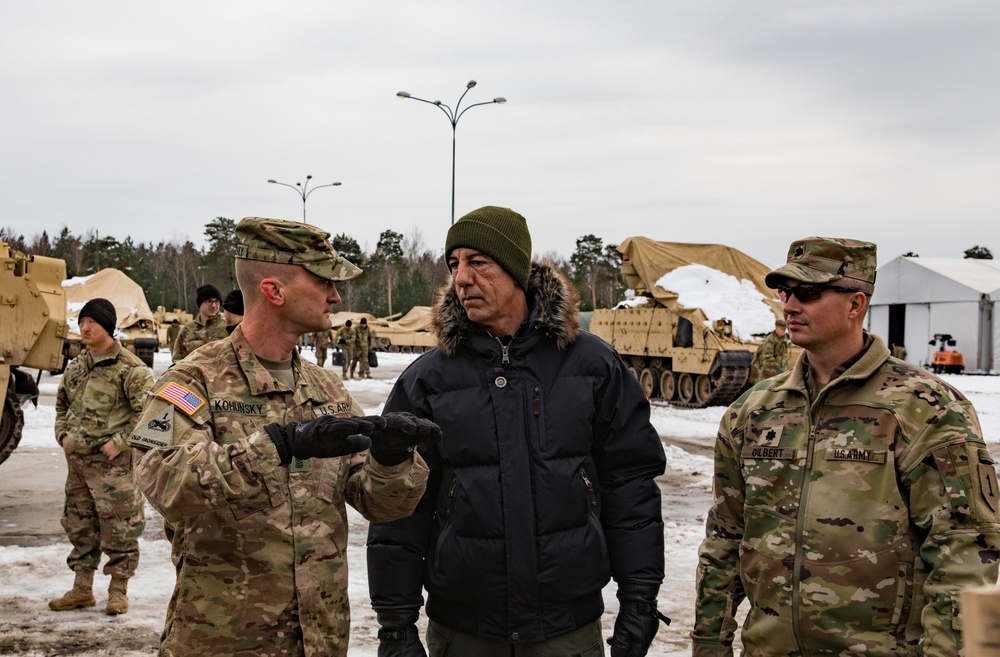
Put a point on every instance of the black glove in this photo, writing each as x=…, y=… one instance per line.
x=403, y=431
x=637, y=620
x=399, y=636
x=323, y=437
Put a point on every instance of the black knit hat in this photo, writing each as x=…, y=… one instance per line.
x=233, y=302
x=500, y=233
x=101, y=311
x=206, y=292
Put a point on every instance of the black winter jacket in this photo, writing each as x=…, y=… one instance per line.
x=542, y=487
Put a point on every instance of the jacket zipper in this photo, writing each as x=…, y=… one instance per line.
x=447, y=527
x=592, y=515
x=504, y=351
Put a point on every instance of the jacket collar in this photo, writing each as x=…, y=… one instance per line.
x=553, y=302
x=874, y=356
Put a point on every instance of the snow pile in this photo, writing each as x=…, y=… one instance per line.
x=720, y=295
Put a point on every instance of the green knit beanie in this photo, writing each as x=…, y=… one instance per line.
x=500, y=233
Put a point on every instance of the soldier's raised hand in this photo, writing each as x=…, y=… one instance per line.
x=394, y=443
x=324, y=437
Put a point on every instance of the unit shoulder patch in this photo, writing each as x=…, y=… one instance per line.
x=155, y=432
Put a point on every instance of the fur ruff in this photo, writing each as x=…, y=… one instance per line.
x=553, y=302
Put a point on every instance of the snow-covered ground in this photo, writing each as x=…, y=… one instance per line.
x=33, y=575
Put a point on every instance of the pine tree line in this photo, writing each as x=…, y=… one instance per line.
x=400, y=273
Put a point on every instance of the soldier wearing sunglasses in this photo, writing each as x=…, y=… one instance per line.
x=853, y=495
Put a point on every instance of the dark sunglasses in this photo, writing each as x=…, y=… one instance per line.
x=807, y=292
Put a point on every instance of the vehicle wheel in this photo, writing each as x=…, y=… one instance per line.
x=11, y=423
x=649, y=379
x=633, y=372
x=703, y=388
x=685, y=387
x=668, y=385
x=393, y=349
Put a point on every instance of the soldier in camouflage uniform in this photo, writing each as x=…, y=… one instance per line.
x=364, y=341
x=208, y=324
x=854, y=495
x=321, y=342
x=232, y=309
x=251, y=454
x=346, y=340
x=98, y=402
x=772, y=354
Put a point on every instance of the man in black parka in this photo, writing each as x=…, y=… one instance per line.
x=543, y=487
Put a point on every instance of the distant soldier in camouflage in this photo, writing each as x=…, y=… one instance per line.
x=364, y=341
x=321, y=342
x=252, y=453
x=346, y=340
x=854, y=496
x=98, y=402
x=772, y=354
x=208, y=324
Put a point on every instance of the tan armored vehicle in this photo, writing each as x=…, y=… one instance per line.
x=32, y=330
x=137, y=328
x=409, y=334
x=676, y=351
x=169, y=324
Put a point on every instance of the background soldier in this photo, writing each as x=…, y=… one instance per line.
x=853, y=496
x=208, y=324
x=252, y=453
x=321, y=340
x=98, y=402
x=232, y=308
x=364, y=341
x=772, y=354
x=346, y=339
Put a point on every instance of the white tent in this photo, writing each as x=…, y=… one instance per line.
x=916, y=298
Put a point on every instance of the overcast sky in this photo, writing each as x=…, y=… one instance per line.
x=744, y=123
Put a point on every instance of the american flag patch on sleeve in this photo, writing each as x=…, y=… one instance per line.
x=181, y=397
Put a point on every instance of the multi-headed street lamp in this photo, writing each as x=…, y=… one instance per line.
x=453, y=117
x=304, y=191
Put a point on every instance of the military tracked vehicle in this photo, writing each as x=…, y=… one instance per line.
x=169, y=323
x=675, y=351
x=409, y=334
x=32, y=330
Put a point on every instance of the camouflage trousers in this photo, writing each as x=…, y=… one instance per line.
x=359, y=362
x=321, y=356
x=350, y=354
x=103, y=513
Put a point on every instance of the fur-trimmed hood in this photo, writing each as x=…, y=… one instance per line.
x=553, y=302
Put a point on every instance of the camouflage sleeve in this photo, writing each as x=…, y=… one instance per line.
x=952, y=484
x=192, y=473
x=177, y=350
x=62, y=406
x=135, y=386
x=719, y=590
x=382, y=493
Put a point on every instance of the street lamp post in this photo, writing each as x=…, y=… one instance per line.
x=453, y=117
x=304, y=191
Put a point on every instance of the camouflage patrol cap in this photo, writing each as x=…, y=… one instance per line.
x=780, y=322
x=850, y=263
x=293, y=243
